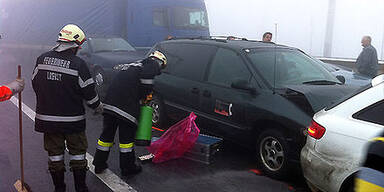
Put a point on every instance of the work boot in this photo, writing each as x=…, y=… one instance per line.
x=128, y=165
x=58, y=180
x=99, y=169
x=100, y=161
x=131, y=170
x=79, y=177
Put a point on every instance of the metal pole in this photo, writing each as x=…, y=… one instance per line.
x=382, y=46
x=21, y=132
x=275, y=33
x=329, y=29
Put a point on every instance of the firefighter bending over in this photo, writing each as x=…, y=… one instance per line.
x=121, y=110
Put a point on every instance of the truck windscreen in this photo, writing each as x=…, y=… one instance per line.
x=110, y=44
x=190, y=18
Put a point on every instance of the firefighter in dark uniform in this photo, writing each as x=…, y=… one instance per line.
x=61, y=81
x=7, y=91
x=371, y=176
x=121, y=110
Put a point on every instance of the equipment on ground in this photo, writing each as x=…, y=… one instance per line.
x=205, y=149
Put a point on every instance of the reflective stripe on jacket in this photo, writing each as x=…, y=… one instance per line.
x=62, y=81
x=133, y=83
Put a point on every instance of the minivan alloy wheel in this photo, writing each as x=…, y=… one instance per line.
x=271, y=153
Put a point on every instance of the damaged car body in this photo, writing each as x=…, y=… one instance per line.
x=331, y=158
x=259, y=95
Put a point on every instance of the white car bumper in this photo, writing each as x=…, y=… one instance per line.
x=319, y=172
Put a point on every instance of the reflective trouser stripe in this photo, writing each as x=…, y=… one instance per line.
x=60, y=118
x=126, y=148
x=365, y=186
x=370, y=177
x=378, y=139
x=56, y=158
x=77, y=157
x=104, y=146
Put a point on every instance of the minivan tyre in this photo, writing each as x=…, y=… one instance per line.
x=272, y=153
x=159, y=116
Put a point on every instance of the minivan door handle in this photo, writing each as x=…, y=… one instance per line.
x=206, y=93
x=195, y=90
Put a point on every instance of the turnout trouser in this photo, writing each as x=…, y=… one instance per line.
x=55, y=143
x=127, y=132
x=77, y=145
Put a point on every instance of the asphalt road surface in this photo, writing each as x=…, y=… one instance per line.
x=233, y=169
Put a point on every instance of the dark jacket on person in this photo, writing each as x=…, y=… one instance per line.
x=133, y=83
x=61, y=81
x=367, y=62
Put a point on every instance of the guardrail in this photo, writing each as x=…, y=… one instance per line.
x=351, y=63
x=342, y=60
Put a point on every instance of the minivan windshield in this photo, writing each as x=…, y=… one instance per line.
x=110, y=44
x=281, y=67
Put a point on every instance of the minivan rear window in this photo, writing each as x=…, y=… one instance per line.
x=188, y=60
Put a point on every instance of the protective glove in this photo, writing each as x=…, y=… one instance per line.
x=16, y=86
x=99, y=109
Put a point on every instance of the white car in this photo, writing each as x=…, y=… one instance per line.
x=338, y=137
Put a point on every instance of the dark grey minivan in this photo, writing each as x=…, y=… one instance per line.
x=259, y=95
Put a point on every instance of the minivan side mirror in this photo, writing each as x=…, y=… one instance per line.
x=341, y=78
x=244, y=85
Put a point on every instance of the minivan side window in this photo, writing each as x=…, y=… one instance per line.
x=373, y=113
x=227, y=66
x=188, y=60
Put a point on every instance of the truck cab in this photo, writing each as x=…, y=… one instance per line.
x=151, y=21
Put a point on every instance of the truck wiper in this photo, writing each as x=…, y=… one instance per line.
x=321, y=82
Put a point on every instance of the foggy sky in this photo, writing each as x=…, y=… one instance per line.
x=302, y=23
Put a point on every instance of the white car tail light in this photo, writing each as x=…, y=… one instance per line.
x=315, y=130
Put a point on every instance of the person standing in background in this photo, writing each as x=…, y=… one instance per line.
x=367, y=62
x=267, y=37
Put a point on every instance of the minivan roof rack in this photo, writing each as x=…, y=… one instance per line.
x=229, y=38
x=215, y=38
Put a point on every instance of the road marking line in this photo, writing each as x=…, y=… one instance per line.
x=114, y=182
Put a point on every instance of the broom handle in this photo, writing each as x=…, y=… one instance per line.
x=21, y=132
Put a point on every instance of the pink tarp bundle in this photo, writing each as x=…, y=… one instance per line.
x=176, y=140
